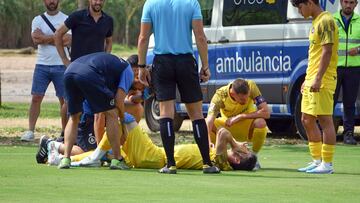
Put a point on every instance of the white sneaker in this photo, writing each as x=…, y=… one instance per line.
x=28, y=136
x=54, y=157
x=323, y=168
x=311, y=166
x=87, y=162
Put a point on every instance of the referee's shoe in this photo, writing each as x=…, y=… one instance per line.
x=210, y=169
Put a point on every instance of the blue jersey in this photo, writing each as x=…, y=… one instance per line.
x=172, y=24
x=107, y=67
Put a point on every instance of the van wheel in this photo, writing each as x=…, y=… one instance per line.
x=281, y=126
x=299, y=125
x=152, y=116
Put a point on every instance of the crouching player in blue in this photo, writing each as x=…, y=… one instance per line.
x=103, y=80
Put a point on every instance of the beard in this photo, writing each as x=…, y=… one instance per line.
x=347, y=11
x=96, y=7
x=52, y=6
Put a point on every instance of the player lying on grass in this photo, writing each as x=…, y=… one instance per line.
x=141, y=152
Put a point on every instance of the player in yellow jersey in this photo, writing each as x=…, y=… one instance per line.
x=140, y=152
x=319, y=86
x=242, y=110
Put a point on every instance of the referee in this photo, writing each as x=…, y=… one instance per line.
x=172, y=23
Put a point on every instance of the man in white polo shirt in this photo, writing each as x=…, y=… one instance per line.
x=49, y=66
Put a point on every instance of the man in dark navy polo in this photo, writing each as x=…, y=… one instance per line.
x=91, y=28
x=103, y=80
x=91, y=32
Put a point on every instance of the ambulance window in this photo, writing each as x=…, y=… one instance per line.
x=206, y=11
x=254, y=12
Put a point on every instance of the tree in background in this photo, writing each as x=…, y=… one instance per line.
x=16, y=15
x=131, y=7
x=81, y=4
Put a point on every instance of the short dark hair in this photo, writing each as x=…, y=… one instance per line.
x=247, y=164
x=296, y=3
x=240, y=86
x=133, y=60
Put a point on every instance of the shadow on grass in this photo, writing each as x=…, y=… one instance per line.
x=15, y=141
x=250, y=174
x=285, y=148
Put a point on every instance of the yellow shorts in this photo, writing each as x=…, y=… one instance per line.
x=317, y=103
x=240, y=131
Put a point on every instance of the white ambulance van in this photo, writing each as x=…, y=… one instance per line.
x=262, y=40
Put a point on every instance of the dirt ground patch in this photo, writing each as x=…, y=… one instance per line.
x=16, y=79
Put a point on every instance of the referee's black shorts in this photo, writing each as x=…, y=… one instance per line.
x=169, y=71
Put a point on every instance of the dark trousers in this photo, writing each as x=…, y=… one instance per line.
x=348, y=81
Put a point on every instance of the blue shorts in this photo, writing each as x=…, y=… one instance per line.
x=94, y=89
x=86, y=136
x=43, y=75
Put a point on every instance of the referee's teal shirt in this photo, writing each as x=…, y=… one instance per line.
x=171, y=22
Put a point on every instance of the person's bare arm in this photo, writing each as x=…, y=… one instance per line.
x=210, y=125
x=39, y=37
x=324, y=64
x=262, y=112
x=108, y=44
x=143, y=45
x=223, y=138
x=119, y=101
x=66, y=40
x=59, y=34
x=201, y=43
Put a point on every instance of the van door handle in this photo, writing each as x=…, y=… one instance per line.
x=223, y=40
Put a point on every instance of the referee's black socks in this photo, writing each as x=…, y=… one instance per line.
x=168, y=139
x=202, y=140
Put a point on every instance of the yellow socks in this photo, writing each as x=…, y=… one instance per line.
x=327, y=153
x=315, y=150
x=258, y=139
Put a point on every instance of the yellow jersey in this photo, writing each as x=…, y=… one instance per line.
x=227, y=106
x=323, y=31
x=141, y=152
x=187, y=156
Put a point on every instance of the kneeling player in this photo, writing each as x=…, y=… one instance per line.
x=235, y=103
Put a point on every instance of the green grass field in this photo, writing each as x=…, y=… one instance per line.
x=22, y=180
x=20, y=110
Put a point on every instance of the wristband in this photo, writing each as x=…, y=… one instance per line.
x=141, y=65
